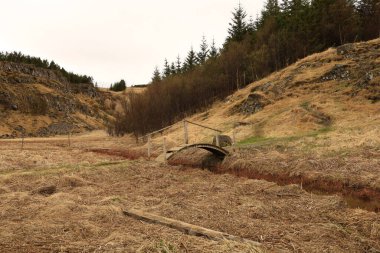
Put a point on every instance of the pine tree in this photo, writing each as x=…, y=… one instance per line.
x=122, y=85
x=203, y=53
x=118, y=86
x=334, y=22
x=369, y=18
x=167, y=70
x=238, y=25
x=173, y=70
x=295, y=29
x=251, y=25
x=156, y=76
x=213, y=50
x=190, y=61
x=178, y=65
x=271, y=10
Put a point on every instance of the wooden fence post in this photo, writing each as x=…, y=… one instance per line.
x=164, y=148
x=22, y=142
x=68, y=138
x=149, y=146
x=237, y=79
x=186, y=133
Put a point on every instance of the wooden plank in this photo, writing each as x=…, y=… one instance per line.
x=158, y=131
x=185, y=227
x=216, y=130
x=149, y=146
x=164, y=148
x=210, y=128
x=186, y=133
x=175, y=149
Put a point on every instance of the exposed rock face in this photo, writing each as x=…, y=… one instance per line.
x=254, y=103
x=30, y=92
x=25, y=73
x=345, y=49
x=339, y=72
x=56, y=129
x=17, y=73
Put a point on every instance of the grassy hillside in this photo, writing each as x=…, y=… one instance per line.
x=42, y=102
x=315, y=124
x=331, y=97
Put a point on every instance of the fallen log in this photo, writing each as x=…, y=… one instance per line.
x=186, y=227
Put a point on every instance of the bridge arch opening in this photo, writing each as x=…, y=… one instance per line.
x=215, y=150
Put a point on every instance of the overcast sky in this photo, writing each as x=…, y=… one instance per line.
x=114, y=39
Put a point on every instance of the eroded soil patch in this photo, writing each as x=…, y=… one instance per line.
x=357, y=191
x=356, y=197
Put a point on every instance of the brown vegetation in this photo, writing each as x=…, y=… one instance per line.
x=41, y=102
x=281, y=35
x=74, y=202
x=319, y=128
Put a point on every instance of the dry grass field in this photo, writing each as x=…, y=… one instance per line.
x=55, y=198
x=304, y=175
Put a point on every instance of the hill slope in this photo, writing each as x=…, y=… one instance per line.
x=316, y=123
x=336, y=92
x=41, y=102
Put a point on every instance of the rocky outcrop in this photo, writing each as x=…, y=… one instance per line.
x=29, y=91
x=254, y=103
x=27, y=73
x=339, y=72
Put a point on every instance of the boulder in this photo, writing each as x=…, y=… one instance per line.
x=345, y=49
x=254, y=103
x=224, y=140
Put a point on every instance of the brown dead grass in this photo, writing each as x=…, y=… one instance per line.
x=84, y=211
x=355, y=120
x=44, y=89
x=57, y=198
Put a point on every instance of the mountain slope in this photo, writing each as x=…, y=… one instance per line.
x=315, y=123
x=335, y=93
x=41, y=102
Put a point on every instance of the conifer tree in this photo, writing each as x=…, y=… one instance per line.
x=271, y=10
x=202, y=55
x=334, y=21
x=173, y=70
x=178, y=65
x=122, y=85
x=156, y=76
x=119, y=86
x=213, y=50
x=167, y=70
x=190, y=61
x=238, y=25
x=251, y=25
x=369, y=18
